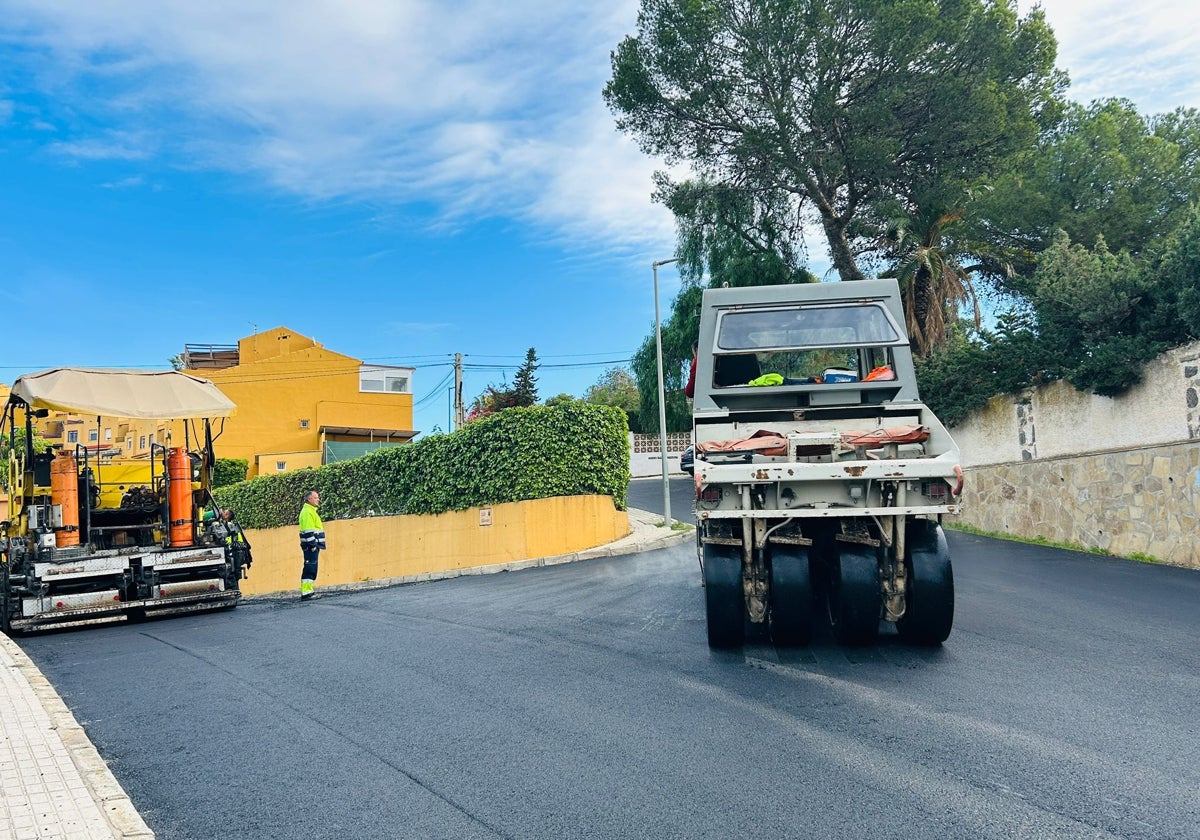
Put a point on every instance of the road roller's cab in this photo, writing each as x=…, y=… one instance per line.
x=91, y=538
x=821, y=478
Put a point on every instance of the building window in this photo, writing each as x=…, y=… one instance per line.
x=388, y=380
x=303, y=424
x=151, y=440
x=93, y=435
x=129, y=443
x=73, y=436
x=280, y=466
x=107, y=435
x=142, y=442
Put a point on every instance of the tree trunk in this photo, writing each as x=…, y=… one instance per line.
x=922, y=293
x=839, y=247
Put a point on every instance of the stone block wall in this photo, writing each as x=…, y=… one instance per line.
x=1132, y=502
x=1119, y=474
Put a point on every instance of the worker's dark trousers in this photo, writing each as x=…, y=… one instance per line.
x=310, y=563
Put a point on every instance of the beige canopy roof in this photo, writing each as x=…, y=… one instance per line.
x=143, y=395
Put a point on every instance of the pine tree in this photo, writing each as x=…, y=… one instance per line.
x=525, y=383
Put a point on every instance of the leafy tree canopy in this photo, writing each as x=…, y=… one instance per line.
x=1093, y=317
x=1103, y=171
x=617, y=387
x=835, y=108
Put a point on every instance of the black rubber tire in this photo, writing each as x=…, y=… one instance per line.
x=929, y=611
x=854, y=599
x=5, y=603
x=725, y=606
x=791, y=597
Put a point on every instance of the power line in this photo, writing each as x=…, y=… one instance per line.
x=435, y=391
x=541, y=366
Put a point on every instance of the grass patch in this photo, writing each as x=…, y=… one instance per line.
x=1069, y=546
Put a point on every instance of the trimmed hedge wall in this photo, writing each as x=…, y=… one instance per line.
x=228, y=471
x=521, y=453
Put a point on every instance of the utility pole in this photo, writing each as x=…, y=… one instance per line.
x=460, y=416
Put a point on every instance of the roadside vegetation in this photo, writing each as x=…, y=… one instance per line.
x=521, y=453
x=1069, y=546
x=1034, y=238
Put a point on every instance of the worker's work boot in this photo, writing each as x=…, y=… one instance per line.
x=306, y=590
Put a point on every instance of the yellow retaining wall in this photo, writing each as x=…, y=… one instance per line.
x=406, y=547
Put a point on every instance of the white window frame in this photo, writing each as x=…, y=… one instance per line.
x=377, y=379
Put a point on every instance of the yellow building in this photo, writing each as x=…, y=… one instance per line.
x=301, y=405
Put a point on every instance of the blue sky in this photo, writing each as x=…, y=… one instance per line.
x=399, y=180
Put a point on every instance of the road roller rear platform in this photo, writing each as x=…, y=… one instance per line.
x=821, y=478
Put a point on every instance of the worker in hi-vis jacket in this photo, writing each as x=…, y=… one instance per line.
x=312, y=540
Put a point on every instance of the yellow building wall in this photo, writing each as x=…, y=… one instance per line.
x=284, y=379
x=408, y=547
x=268, y=462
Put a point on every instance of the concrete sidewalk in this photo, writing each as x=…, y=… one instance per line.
x=55, y=786
x=53, y=783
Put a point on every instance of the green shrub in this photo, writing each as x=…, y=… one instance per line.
x=228, y=471
x=540, y=452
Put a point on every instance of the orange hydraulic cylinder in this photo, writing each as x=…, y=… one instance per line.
x=64, y=492
x=179, y=497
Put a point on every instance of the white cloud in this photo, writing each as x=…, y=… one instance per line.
x=480, y=107
x=1145, y=52
x=476, y=106
x=112, y=145
x=124, y=183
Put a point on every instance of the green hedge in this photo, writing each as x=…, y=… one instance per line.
x=228, y=471
x=520, y=453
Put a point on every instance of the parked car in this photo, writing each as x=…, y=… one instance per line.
x=687, y=460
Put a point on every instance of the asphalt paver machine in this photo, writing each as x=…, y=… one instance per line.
x=93, y=537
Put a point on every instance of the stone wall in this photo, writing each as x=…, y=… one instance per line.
x=1118, y=474
x=1133, y=502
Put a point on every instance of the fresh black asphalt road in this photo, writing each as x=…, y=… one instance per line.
x=582, y=701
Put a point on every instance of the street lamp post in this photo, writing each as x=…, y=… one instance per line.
x=662, y=397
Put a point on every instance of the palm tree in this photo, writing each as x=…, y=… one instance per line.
x=934, y=283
